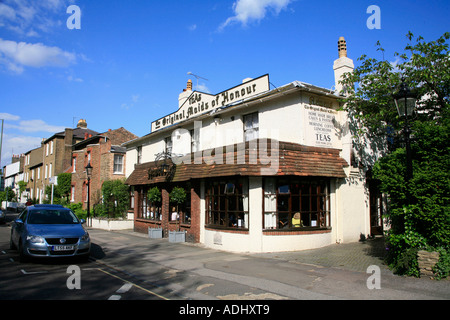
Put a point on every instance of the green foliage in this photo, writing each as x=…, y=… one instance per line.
x=154, y=195
x=77, y=208
x=64, y=184
x=115, y=199
x=61, y=191
x=442, y=268
x=178, y=195
x=422, y=221
x=8, y=194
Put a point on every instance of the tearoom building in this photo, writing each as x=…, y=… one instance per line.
x=263, y=169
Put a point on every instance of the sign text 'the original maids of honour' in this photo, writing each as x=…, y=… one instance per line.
x=200, y=102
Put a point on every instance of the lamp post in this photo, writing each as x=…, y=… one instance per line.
x=88, y=174
x=405, y=101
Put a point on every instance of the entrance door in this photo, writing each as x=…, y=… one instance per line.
x=376, y=209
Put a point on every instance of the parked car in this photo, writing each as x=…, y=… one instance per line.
x=49, y=231
x=2, y=217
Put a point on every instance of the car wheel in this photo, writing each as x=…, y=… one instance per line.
x=12, y=246
x=23, y=257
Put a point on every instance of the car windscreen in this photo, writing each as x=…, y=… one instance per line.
x=48, y=216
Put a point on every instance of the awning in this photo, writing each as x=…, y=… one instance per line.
x=254, y=158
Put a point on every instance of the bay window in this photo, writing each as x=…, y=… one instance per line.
x=291, y=203
x=227, y=204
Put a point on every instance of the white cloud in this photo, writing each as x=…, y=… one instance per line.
x=74, y=79
x=39, y=126
x=17, y=55
x=13, y=122
x=254, y=10
x=17, y=144
x=134, y=99
x=24, y=17
x=9, y=117
x=202, y=88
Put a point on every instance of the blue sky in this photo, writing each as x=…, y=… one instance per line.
x=129, y=60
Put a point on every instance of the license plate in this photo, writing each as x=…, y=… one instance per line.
x=62, y=248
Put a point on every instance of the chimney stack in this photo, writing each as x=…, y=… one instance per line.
x=341, y=66
x=185, y=94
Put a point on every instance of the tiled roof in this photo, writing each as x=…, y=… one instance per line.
x=255, y=159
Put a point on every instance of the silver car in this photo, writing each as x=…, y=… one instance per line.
x=49, y=231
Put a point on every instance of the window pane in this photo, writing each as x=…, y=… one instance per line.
x=283, y=202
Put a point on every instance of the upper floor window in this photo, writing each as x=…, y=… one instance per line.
x=168, y=142
x=195, y=140
x=251, y=126
x=139, y=155
x=118, y=163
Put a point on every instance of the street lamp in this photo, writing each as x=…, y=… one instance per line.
x=405, y=101
x=88, y=174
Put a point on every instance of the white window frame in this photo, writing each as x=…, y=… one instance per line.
x=251, y=126
x=115, y=163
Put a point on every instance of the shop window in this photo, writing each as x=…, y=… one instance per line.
x=227, y=204
x=148, y=209
x=181, y=213
x=296, y=203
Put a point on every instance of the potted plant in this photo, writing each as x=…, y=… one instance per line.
x=178, y=196
x=154, y=196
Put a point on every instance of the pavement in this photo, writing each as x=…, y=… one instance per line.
x=351, y=271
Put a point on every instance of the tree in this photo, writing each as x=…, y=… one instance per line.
x=115, y=197
x=64, y=185
x=7, y=195
x=178, y=196
x=423, y=220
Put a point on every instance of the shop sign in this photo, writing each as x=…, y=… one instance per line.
x=320, y=126
x=200, y=102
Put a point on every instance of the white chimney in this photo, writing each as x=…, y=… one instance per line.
x=185, y=94
x=341, y=66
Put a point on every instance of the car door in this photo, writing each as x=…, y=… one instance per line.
x=18, y=227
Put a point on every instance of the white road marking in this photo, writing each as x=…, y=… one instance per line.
x=38, y=272
x=127, y=286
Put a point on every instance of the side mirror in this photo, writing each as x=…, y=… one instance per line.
x=82, y=221
x=18, y=221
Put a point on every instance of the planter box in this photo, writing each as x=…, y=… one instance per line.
x=177, y=236
x=155, y=233
x=111, y=225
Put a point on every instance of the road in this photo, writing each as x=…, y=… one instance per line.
x=65, y=279
x=130, y=266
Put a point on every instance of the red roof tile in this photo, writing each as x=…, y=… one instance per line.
x=256, y=159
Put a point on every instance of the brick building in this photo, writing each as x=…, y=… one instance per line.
x=108, y=159
x=32, y=174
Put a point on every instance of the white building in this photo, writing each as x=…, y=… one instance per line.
x=264, y=169
x=13, y=173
